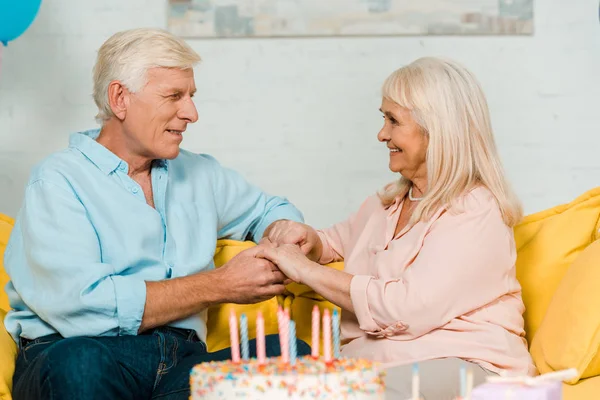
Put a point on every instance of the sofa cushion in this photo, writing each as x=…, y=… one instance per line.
x=8, y=347
x=8, y=353
x=6, y=225
x=548, y=242
x=569, y=336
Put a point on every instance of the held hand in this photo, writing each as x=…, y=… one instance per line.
x=289, y=259
x=251, y=280
x=291, y=232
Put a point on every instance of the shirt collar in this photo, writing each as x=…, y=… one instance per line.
x=104, y=159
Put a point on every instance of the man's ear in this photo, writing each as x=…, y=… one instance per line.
x=118, y=98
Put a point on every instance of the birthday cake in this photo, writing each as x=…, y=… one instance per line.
x=308, y=379
x=317, y=376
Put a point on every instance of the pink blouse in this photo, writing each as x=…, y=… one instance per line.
x=445, y=287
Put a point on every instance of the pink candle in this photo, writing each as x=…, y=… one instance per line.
x=280, y=323
x=234, y=337
x=283, y=336
x=315, y=331
x=261, y=352
x=327, y=336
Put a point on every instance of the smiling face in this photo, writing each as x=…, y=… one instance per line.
x=405, y=139
x=155, y=117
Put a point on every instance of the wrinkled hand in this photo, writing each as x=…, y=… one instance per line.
x=291, y=232
x=250, y=279
x=289, y=259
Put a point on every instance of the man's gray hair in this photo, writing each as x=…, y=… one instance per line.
x=128, y=55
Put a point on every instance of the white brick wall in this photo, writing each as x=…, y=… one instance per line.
x=299, y=116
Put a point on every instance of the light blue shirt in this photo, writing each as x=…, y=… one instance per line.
x=85, y=240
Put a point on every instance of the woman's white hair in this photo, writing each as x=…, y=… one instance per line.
x=128, y=55
x=447, y=101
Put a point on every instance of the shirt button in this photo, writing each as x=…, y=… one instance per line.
x=134, y=190
x=122, y=167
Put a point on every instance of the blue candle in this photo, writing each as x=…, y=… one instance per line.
x=292, y=339
x=335, y=322
x=244, y=334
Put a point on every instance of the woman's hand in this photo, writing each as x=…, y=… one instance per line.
x=291, y=232
x=290, y=260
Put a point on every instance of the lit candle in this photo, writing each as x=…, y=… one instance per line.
x=315, y=331
x=244, y=334
x=293, y=350
x=327, y=336
x=233, y=335
x=261, y=351
x=335, y=322
x=415, y=382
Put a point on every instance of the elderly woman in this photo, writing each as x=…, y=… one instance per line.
x=429, y=271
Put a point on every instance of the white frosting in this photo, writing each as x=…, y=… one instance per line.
x=308, y=379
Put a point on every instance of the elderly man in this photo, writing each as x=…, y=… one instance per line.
x=111, y=256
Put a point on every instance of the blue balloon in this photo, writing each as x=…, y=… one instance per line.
x=15, y=17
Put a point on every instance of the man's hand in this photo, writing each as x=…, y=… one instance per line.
x=247, y=279
x=244, y=279
x=291, y=232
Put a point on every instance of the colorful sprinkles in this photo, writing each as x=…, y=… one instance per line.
x=344, y=378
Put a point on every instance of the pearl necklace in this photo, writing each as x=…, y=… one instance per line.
x=410, y=196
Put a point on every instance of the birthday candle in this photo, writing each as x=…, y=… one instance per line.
x=244, y=334
x=280, y=324
x=469, y=383
x=284, y=340
x=261, y=352
x=415, y=382
x=327, y=336
x=335, y=322
x=315, y=332
x=233, y=335
x=293, y=350
x=463, y=382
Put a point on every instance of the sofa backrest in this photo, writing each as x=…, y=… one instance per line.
x=548, y=242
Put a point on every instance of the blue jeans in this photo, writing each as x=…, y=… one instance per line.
x=154, y=365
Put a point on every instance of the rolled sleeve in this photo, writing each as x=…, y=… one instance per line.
x=360, y=301
x=336, y=239
x=283, y=210
x=131, y=300
x=243, y=210
x=328, y=255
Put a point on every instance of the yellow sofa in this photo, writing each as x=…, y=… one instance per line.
x=548, y=244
